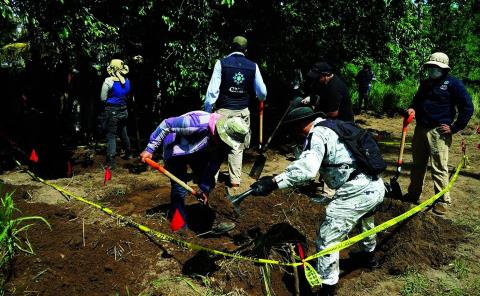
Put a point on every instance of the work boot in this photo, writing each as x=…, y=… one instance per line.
x=440, y=208
x=364, y=259
x=327, y=290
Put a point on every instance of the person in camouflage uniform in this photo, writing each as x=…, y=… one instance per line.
x=357, y=194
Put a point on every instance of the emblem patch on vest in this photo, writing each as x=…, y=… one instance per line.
x=238, y=78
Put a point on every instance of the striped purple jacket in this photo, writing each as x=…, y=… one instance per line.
x=183, y=134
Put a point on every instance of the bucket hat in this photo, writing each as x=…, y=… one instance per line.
x=302, y=113
x=117, y=69
x=438, y=59
x=232, y=131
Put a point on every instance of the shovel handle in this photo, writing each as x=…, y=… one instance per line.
x=162, y=170
x=260, y=135
x=406, y=122
x=278, y=125
x=237, y=199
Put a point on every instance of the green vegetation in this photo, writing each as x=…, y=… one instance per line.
x=180, y=41
x=415, y=283
x=13, y=234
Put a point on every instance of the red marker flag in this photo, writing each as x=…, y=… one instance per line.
x=108, y=175
x=177, y=221
x=34, y=156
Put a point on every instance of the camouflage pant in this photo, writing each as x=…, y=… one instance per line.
x=351, y=203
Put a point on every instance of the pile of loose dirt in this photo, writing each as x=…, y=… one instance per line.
x=423, y=240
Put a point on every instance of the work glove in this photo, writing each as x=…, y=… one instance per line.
x=264, y=186
x=202, y=197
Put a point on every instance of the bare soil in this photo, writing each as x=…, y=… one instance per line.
x=89, y=253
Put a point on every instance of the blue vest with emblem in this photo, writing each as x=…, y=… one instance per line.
x=118, y=93
x=238, y=75
x=436, y=104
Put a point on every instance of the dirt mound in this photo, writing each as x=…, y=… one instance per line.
x=423, y=240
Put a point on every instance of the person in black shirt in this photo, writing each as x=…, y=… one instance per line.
x=329, y=93
x=364, y=80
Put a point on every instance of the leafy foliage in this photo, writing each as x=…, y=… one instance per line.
x=12, y=231
x=180, y=40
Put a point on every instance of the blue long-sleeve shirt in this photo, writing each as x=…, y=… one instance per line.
x=213, y=90
x=437, y=101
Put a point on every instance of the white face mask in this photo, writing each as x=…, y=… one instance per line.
x=435, y=73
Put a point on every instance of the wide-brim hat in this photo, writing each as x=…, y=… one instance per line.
x=302, y=113
x=232, y=131
x=319, y=69
x=438, y=59
x=117, y=69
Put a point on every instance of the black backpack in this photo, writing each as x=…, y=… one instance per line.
x=361, y=144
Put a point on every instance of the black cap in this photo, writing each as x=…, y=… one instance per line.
x=302, y=113
x=319, y=69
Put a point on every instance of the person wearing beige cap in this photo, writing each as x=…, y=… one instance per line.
x=235, y=80
x=114, y=94
x=435, y=107
x=199, y=140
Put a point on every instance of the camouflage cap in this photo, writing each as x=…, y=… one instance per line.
x=241, y=41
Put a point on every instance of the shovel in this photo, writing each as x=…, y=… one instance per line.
x=259, y=163
x=394, y=186
x=220, y=228
x=162, y=170
x=236, y=200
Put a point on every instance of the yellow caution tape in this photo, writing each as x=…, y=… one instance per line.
x=310, y=272
x=391, y=222
x=311, y=275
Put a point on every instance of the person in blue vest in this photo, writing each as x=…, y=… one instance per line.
x=115, y=91
x=235, y=80
x=442, y=107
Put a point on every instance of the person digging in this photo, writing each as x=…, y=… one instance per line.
x=356, y=197
x=199, y=140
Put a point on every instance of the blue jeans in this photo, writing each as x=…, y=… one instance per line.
x=116, y=123
x=178, y=166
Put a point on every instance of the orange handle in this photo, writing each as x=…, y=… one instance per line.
x=162, y=170
x=407, y=120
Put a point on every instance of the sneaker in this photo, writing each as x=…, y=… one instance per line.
x=440, y=208
x=364, y=259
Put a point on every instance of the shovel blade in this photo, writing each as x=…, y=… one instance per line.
x=258, y=166
x=396, y=190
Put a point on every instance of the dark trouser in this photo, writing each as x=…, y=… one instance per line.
x=116, y=122
x=178, y=166
x=363, y=97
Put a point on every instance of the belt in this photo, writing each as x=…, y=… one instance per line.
x=120, y=107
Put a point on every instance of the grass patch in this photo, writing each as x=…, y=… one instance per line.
x=415, y=283
x=13, y=236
